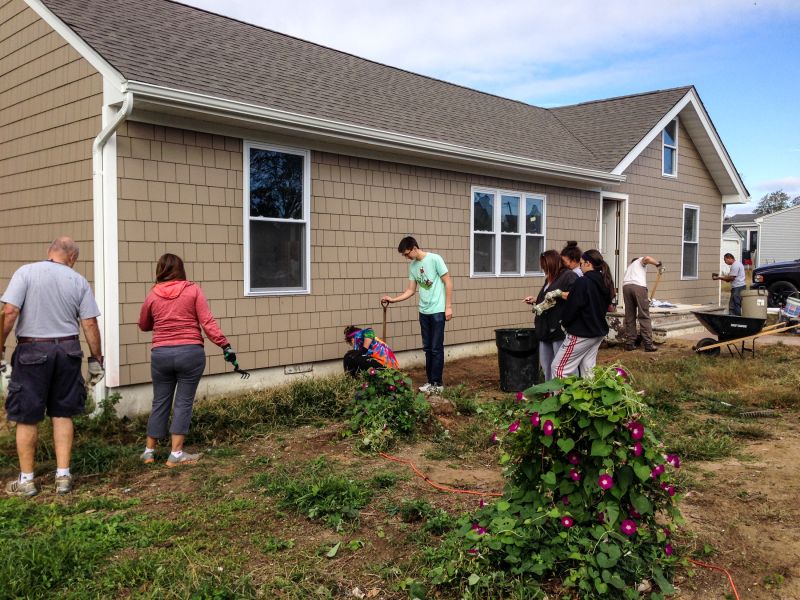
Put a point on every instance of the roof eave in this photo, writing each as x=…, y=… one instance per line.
x=728, y=179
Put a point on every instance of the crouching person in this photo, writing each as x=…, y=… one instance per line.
x=369, y=351
x=49, y=301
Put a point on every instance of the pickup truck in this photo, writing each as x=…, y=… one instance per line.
x=781, y=279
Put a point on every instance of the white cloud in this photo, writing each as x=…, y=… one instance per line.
x=510, y=46
x=790, y=185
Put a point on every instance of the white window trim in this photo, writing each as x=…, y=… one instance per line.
x=674, y=147
x=683, y=241
x=306, y=154
x=498, y=192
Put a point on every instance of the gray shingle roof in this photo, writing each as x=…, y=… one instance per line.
x=611, y=128
x=165, y=43
x=741, y=218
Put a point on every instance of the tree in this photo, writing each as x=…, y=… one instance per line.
x=773, y=202
x=796, y=201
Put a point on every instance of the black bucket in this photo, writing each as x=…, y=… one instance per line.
x=518, y=357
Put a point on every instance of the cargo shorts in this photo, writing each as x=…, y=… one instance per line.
x=45, y=379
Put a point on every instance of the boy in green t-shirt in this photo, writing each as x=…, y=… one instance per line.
x=428, y=272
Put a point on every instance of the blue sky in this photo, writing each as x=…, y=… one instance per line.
x=742, y=55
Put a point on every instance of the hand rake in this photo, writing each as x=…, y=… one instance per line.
x=242, y=372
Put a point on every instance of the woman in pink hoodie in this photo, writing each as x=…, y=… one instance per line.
x=175, y=311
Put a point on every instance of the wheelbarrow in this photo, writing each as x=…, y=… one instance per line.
x=734, y=332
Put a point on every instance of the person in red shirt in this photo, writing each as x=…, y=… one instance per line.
x=176, y=310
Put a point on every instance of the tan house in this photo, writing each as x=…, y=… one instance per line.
x=285, y=173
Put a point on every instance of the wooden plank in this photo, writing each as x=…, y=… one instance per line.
x=763, y=332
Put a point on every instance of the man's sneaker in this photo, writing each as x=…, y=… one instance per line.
x=437, y=389
x=426, y=389
x=64, y=484
x=147, y=458
x=183, y=459
x=650, y=349
x=22, y=488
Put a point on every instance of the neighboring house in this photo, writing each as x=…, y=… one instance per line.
x=778, y=236
x=732, y=240
x=285, y=173
x=747, y=226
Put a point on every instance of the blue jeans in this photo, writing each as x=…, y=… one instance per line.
x=432, y=328
x=735, y=303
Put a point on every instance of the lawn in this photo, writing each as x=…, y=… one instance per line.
x=285, y=504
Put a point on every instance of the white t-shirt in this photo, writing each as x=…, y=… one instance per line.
x=636, y=273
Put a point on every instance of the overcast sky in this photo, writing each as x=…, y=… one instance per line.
x=743, y=56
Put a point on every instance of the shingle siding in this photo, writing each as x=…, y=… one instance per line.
x=50, y=103
x=185, y=196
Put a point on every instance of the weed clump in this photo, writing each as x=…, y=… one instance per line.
x=386, y=407
x=589, y=499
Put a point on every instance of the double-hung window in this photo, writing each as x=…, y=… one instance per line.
x=508, y=232
x=277, y=239
x=669, y=149
x=691, y=241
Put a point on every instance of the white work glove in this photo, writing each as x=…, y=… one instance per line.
x=96, y=370
x=549, y=301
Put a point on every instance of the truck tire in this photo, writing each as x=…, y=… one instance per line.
x=778, y=291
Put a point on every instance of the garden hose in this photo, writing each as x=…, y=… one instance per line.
x=721, y=569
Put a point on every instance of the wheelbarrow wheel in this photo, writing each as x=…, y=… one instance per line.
x=707, y=342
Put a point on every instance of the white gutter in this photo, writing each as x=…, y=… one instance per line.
x=242, y=111
x=106, y=252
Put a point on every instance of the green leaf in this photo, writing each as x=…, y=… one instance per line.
x=600, y=448
x=332, y=552
x=662, y=582
x=549, y=478
x=611, y=396
x=473, y=579
x=543, y=388
x=603, y=427
x=566, y=444
x=503, y=506
x=640, y=503
x=614, y=553
x=604, y=561
x=612, y=512
x=602, y=588
x=506, y=457
x=642, y=471
x=583, y=422
x=548, y=405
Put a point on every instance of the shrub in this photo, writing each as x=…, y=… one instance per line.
x=588, y=498
x=386, y=407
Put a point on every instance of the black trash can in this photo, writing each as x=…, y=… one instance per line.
x=518, y=357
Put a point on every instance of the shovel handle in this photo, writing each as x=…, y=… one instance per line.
x=385, y=305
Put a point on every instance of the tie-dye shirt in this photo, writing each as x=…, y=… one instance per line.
x=377, y=350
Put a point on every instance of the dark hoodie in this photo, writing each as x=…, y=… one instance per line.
x=585, y=312
x=548, y=324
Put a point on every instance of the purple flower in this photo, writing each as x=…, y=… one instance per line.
x=573, y=458
x=574, y=475
x=481, y=503
x=638, y=449
x=606, y=481
x=567, y=522
x=494, y=438
x=622, y=373
x=674, y=460
x=565, y=500
x=633, y=514
x=392, y=388
x=667, y=532
x=372, y=371
x=628, y=527
x=636, y=429
x=535, y=419
x=478, y=528
x=472, y=551
x=601, y=517
x=364, y=385
x=659, y=470
x=513, y=427
x=671, y=490
x=668, y=550
x=548, y=427
x=520, y=396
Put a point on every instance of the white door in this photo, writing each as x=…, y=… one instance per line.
x=611, y=237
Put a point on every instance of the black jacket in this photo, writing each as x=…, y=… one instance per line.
x=585, y=310
x=548, y=324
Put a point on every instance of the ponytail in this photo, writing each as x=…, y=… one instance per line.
x=599, y=264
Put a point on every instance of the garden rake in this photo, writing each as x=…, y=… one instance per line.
x=235, y=363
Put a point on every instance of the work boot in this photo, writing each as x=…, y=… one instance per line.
x=630, y=347
x=64, y=484
x=650, y=348
x=22, y=488
x=183, y=459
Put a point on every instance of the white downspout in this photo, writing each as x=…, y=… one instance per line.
x=104, y=257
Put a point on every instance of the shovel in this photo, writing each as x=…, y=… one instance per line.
x=2, y=338
x=655, y=285
x=385, y=305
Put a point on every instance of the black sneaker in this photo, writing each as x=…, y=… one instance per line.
x=650, y=349
x=630, y=347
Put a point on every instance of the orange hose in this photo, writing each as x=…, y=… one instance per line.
x=716, y=568
x=438, y=486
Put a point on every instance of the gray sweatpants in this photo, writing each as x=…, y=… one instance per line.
x=176, y=371
x=637, y=305
x=576, y=355
x=547, y=352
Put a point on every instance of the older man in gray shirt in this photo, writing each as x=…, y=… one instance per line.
x=48, y=300
x=736, y=278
